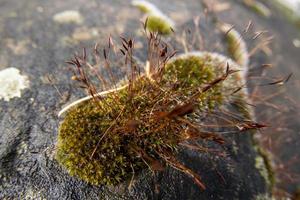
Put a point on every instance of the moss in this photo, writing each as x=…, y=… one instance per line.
x=122, y=149
x=242, y=107
x=263, y=164
x=144, y=6
x=260, y=165
x=263, y=158
x=159, y=24
x=291, y=15
x=237, y=47
x=157, y=21
x=188, y=73
x=258, y=7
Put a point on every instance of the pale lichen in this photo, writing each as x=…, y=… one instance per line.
x=12, y=83
x=264, y=197
x=68, y=16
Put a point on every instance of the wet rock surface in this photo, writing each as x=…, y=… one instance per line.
x=29, y=124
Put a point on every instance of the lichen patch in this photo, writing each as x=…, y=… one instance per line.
x=83, y=34
x=12, y=83
x=68, y=16
x=18, y=47
x=296, y=43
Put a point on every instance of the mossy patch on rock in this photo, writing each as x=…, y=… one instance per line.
x=236, y=45
x=145, y=6
x=263, y=164
x=105, y=142
x=258, y=7
x=157, y=21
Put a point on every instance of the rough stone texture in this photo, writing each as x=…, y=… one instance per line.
x=285, y=59
x=31, y=41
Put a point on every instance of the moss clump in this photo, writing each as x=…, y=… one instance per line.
x=159, y=24
x=258, y=7
x=263, y=164
x=291, y=14
x=236, y=46
x=194, y=73
x=157, y=21
x=136, y=128
x=78, y=136
x=144, y=6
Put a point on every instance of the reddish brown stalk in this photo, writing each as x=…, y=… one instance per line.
x=213, y=83
x=170, y=159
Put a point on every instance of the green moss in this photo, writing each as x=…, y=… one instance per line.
x=143, y=6
x=242, y=107
x=258, y=7
x=237, y=47
x=263, y=164
x=119, y=149
x=159, y=24
x=195, y=72
x=78, y=136
x=157, y=21
x=291, y=15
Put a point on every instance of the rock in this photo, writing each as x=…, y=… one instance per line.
x=29, y=124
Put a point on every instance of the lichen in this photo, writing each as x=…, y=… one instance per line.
x=99, y=149
x=31, y=193
x=264, y=197
x=12, y=83
x=68, y=16
x=157, y=21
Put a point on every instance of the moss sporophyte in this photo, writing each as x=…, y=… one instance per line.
x=141, y=124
